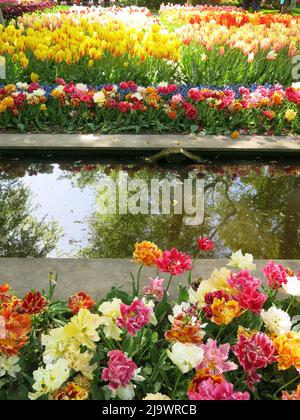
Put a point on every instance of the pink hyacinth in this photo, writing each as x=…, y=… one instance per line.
x=215, y=358
x=276, y=275
x=155, y=288
x=120, y=370
x=174, y=262
x=135, y=316
x=212, y=391
x=251, y=299
x=205, y=244
x=253, y=353
x=243, y=279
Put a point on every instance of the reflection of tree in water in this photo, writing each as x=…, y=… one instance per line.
x=114, y=235
x=265, y=217
x=22, y=235
x=255, y=208
x=256, y=213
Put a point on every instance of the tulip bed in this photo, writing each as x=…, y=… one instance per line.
x=222, y=53
x=132, y=108
x=230, y=337
x=206, y=46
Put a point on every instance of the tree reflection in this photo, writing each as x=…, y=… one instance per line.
x=21, y=234
x=256, y=211
x=265, y=216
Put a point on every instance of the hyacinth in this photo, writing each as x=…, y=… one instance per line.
x=135, y=316
x=14, y=334
x=288, y=349
x=255, y=352
x=275, y=274
x=155, y=288
x=174, y=262
x=80, y=300
x=146, y=253
x=33, y=303
x=215, y=359
x=71, y=392
x=293, y=396
x=213, y=390
x=205, y=244
x=243, y=279
x=120, y=370
x=251, y=299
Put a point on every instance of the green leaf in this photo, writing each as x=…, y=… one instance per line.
x=161, y=310
x=20, y=393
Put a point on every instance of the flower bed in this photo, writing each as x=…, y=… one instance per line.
x=166, y=107
x=182, y=48
x=14, y=11
x=226, y=338
x=102, y=46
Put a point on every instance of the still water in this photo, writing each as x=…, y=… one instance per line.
x=52, y=209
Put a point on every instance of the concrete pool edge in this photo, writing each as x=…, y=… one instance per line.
x=97, y=276
x=148, y=143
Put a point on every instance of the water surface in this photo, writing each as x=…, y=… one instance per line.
x=51, y=209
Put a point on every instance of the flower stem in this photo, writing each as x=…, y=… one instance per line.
x=290, y=304
x=287, y=384
x=169, y=283
x=220, y=332
x=179, y=376
x=138, y=281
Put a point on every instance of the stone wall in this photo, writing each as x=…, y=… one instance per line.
x=95, y=276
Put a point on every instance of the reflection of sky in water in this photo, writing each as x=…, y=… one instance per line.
x=57, y=199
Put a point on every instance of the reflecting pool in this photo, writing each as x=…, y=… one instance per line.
x=53, y=209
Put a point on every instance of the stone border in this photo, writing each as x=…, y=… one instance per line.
x=148, y=143
x=97, y=276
